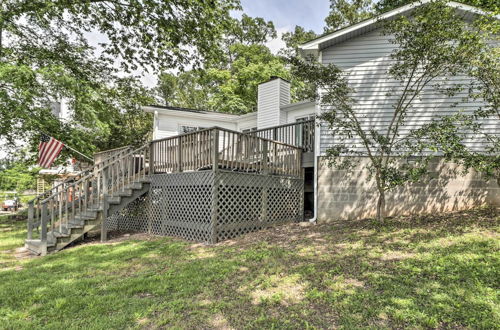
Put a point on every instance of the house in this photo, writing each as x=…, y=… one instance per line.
x=364, y=52
x=209, y=176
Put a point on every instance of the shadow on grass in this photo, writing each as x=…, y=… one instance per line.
x=439, y=271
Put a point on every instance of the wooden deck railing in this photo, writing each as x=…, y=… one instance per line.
x=219, y=148
x=106, y=154
x=299, y=134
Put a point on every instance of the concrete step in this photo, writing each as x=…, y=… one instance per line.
x=35, y=246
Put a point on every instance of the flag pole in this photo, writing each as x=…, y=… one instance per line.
x=76, y=151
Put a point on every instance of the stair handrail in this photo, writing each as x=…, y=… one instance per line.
x=79, y=174
x=89, y=190
x=97, y=170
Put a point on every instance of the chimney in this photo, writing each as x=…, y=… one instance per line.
x=271, y=96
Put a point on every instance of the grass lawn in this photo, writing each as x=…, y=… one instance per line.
x=420, y=272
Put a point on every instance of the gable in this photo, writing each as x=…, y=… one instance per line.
x=366, y=59
x=314, y=46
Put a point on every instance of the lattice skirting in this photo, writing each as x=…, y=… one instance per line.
x=210, y=207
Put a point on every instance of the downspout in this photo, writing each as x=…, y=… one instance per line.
x=316, y=162
x=317, y=110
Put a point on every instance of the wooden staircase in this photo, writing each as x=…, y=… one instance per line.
x=71, y=209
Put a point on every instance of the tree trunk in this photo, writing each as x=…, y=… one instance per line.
x=381, y=205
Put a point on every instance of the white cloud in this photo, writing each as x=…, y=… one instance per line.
x=276, y=44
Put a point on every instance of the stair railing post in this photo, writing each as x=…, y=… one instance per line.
x=179, y=154
x=60, y=204
x=31, y=213
x=105, y=179
x=43, y=230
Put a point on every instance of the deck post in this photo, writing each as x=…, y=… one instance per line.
x=265, y=163
x=31, y=213
x=43, y=230
x=105, y=179
x=215, y=151
x=215, y=187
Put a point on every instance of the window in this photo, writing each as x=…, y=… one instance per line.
x=304, y=133
x=248, y=130
x=305, y=118
x=188, y=129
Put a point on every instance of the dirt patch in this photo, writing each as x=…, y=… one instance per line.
x=21, y=253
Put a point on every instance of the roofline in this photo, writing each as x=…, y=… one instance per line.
x=153, y=108
x=193, y=113
x=297, y=105
x=272, y=78
x=314, y=45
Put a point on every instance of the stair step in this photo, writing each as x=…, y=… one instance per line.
x=114, y=200
x=83, y=217
x=58, y=233
x=95, y=208
x=135, y=186
x=126, y=192
x=76, y=224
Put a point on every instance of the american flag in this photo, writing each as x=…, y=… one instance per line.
x=48, y=150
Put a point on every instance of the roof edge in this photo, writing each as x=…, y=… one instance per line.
x=314, y=46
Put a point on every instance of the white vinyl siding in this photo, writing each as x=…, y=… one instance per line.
x=366, y=60
x=299, y=111
x=247, y=122
x=271, y=96
x=169, y=125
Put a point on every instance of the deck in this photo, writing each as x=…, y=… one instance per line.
x=207, y=186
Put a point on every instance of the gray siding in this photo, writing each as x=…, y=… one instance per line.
x=366, y=60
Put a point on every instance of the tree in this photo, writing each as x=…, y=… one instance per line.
x=295, y=38
x=16, y=175
x=301, y=90
x=45, y=56
x=347, y=12
x=386, y=5
x=435, y=46
x=450, y=135
x=228, y=83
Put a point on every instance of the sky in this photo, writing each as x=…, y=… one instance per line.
x=285, y=14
